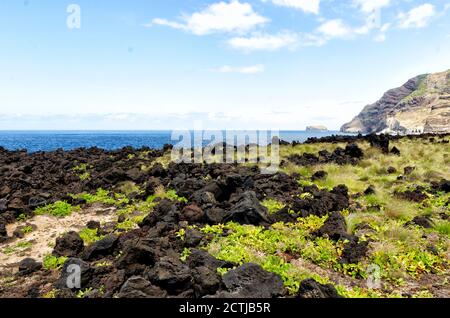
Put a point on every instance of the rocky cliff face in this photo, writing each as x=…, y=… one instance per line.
x=421, y=105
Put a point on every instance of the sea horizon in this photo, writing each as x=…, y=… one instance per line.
x=50, y=140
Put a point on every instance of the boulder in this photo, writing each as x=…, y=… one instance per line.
x=136, y=251
x=101, y=248
x=93, y=225
x=139, y=287
x=395, y=151
x=319, y=175
x=199, y=258
x=171, y=274
x=166, y=211
x=28, y=266
x=215, y=215
x=353, y=150
x=370, y=190
x=322, y=201
x=354, y=251
x=3, y=232
x=247, y=210
x=71, y=269
x=251, y=281
x=68, y=245
x=3, y=205
x=16, y=204
x=37, y=201
x=391, y=170
x=193, y=237
x=415, y=195
x=192, y=213
x=309, y=288
x=206, y=281
x=379, y=141
x=335, y=227
x=442, y=186
x=422, y=221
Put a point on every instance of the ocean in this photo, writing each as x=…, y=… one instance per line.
x=34, y=141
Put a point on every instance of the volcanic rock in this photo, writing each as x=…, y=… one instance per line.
x=247, y=210
x=73, y=269
x=28, y=266
x=100, y=248
x=192, y=213
x=251, y=281
x=319, y=175
x=354, y=251
x=335, y=227
x=139, y=287
x=69, y=245
x=309, y=288
x=422, y=221
x=171, y=274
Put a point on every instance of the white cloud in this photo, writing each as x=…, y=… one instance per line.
x=255, y=69
x=263, y=41
x=385, y=27
x=168, y=23
x=380, y=37
x=231, y=16
x=368, y=6
x=310, y=39
x=335, y=29
x=417, y=17
x=308, y=6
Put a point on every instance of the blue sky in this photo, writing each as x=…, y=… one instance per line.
x=238, y=64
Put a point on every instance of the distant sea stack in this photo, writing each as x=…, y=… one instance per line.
x=316, y=128
x=421, y=105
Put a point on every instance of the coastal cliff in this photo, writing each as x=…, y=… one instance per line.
x=421, y=105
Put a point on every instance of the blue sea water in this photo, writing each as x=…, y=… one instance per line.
x=34, y=141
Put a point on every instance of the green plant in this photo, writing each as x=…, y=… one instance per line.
x=27, y=229
x=222, y=271
x=185, y=254
x=181, y=234
x=128, y=187
x=57, y=209
x=82, y=170
x=50, y=294
x=421, y=90
x=9, y=250
x=81, y=167
x=52, y=262
x=212, y=229
x=306, y=195
x=126, y=225
x=22, y=217
x=423, y=294
x=85, y=176
x=24, y=245
x=170, y=194
x=443, y=227
x=272, y=205
x=90, y=236
x=104, y=264
x=83, y=293
x=104, y=197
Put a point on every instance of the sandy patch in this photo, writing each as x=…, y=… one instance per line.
x=41, y=241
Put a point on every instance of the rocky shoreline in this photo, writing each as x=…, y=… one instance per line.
x=163, y=215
